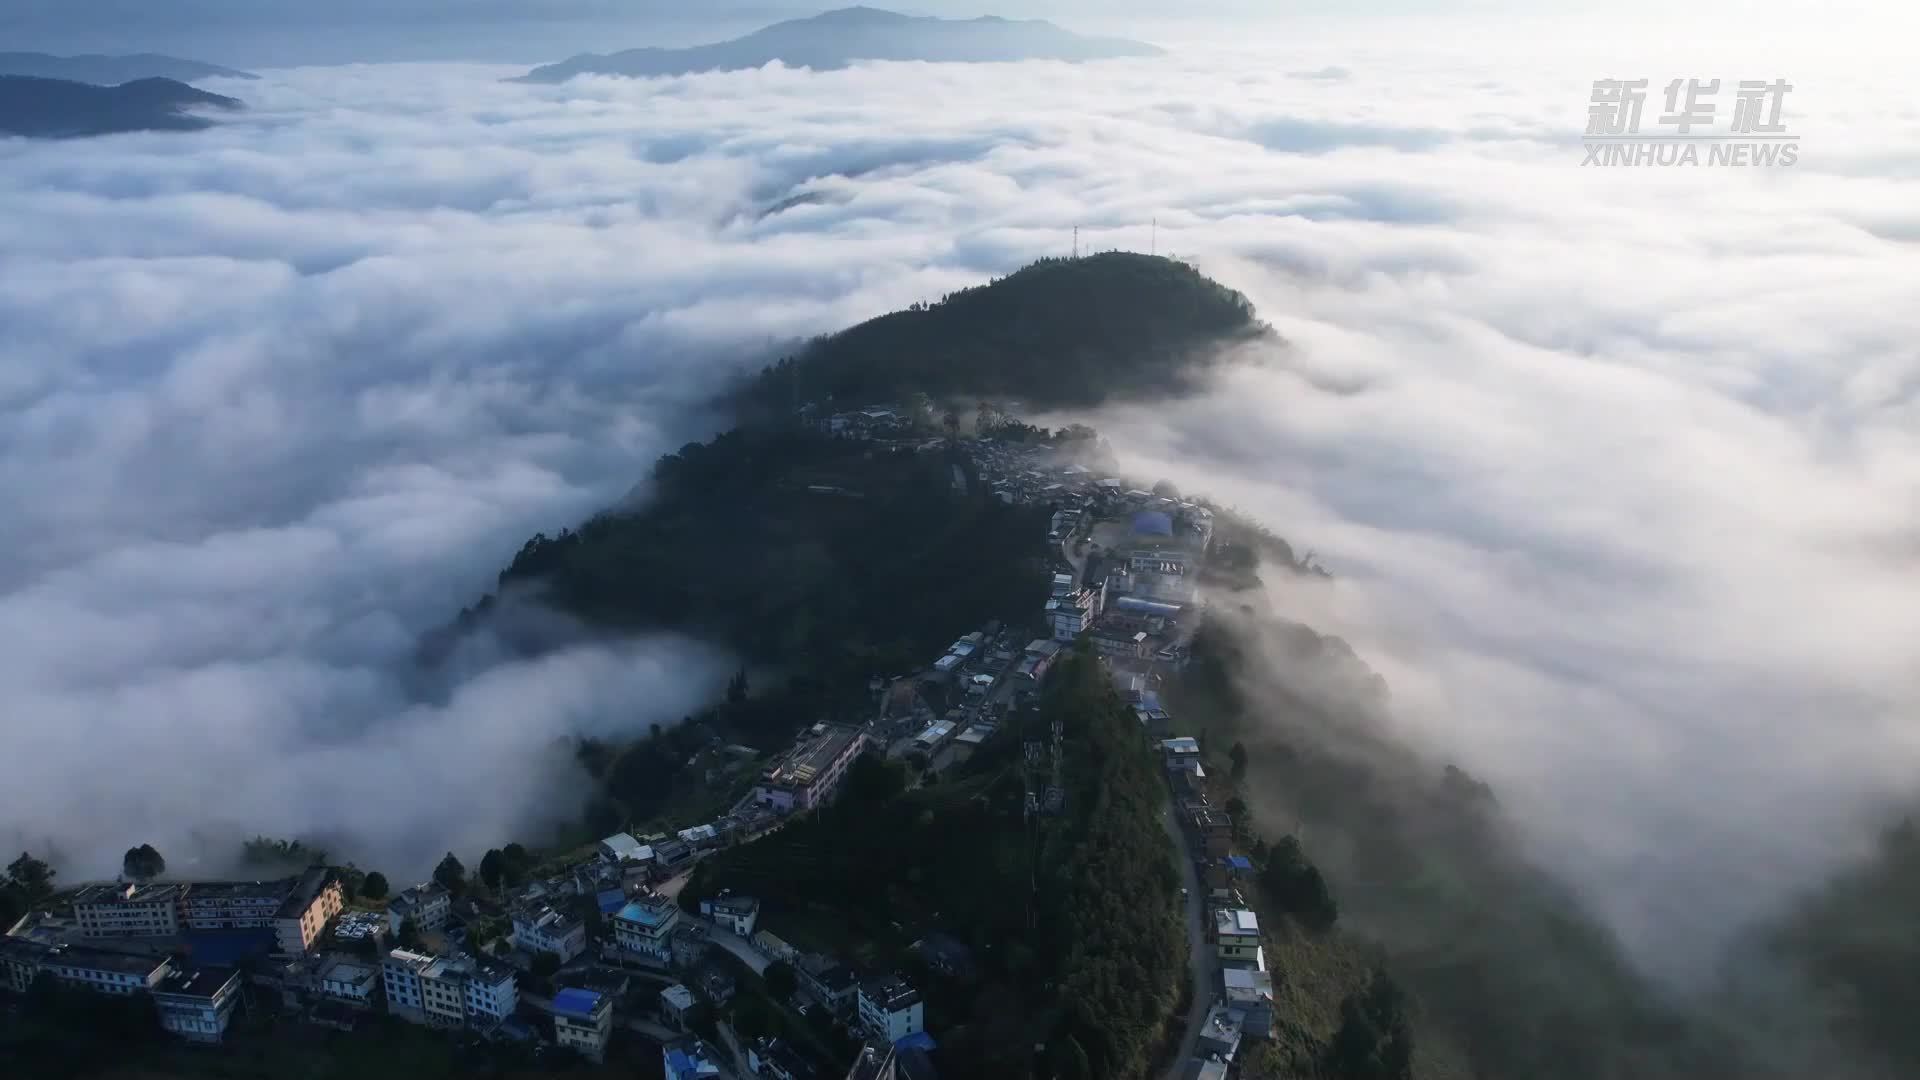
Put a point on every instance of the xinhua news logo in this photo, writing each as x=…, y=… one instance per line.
x=1686, y=132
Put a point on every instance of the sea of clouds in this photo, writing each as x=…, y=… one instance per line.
x=1617, y=468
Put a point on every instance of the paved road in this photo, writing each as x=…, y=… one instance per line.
x=1202, y=968
x=738, y=946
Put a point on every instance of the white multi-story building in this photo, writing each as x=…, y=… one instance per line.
x=103, y=972
x=427, y=904
x=809, y=775
x=448, y=991
x=1236, y=934
x=101, y=911
x=583, y=1021
x=236, y=905
x=1071, y=614
x=736, y=913
x=197, y=1003
x=891, y=1009
x=301, y=918
x=645, y=926
x=403, y=974
x=492, y=991
x=20, y=961
x=542, y=929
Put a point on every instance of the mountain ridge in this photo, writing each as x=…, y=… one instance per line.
x=839, y=38
x=113, y=70
x=61, y=108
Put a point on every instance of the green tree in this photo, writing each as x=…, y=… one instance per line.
x=1070, y=1060
x=142, y=864
x=32, y=877
x=409, y=934
x=1296, y=886
x=1375, y=1040
x=374, y=887
x=451, y=875
x=737, y=687
x=493, y=868
x=1238, y=756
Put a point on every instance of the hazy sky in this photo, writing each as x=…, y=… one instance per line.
x=268, y=33
x=1617, y=467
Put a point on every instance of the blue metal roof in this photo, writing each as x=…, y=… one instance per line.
x=1239, y=862
x=610, y=900
x=576, y=1002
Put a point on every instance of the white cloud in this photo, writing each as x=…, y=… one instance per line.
x=1615, y=464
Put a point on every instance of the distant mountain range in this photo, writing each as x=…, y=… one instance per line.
x=60, y=108
x=113, y=70
x=837, y=39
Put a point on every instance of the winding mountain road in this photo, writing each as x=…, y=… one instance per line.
x=1201, y=963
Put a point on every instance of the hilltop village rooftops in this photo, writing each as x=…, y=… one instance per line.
x=129, y=894
x=97, y=959
x=1234, y=922
x=196, y=982
x=239, y=890
x=647, y=911
x=807, y=761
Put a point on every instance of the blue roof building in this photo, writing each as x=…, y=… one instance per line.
x=576, y=1002
x=1152, y=523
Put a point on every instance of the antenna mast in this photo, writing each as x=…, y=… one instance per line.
x=1076, y=241
x=1155, y=250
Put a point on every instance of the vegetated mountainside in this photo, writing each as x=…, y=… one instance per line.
x=1057, y=333
x=1509, y=977
x=1855, y=943
x=794, y=547
x=836, y=39
x=1070, y=919
x=113, y=70
x=738, y=544
x=58, y=108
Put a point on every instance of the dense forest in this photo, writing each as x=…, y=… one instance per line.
x=1058, y=333
x=739, y=544
x=1071, y=919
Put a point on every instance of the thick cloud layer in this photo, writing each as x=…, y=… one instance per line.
x=1616, y=466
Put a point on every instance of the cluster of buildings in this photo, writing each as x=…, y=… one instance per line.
x=448, y=990
x=1243, y=1003
x=123, y=939
x=810, y=773
x=294, y=909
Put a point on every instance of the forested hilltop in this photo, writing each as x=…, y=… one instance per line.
x=785, y=543
x=1057, y=333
